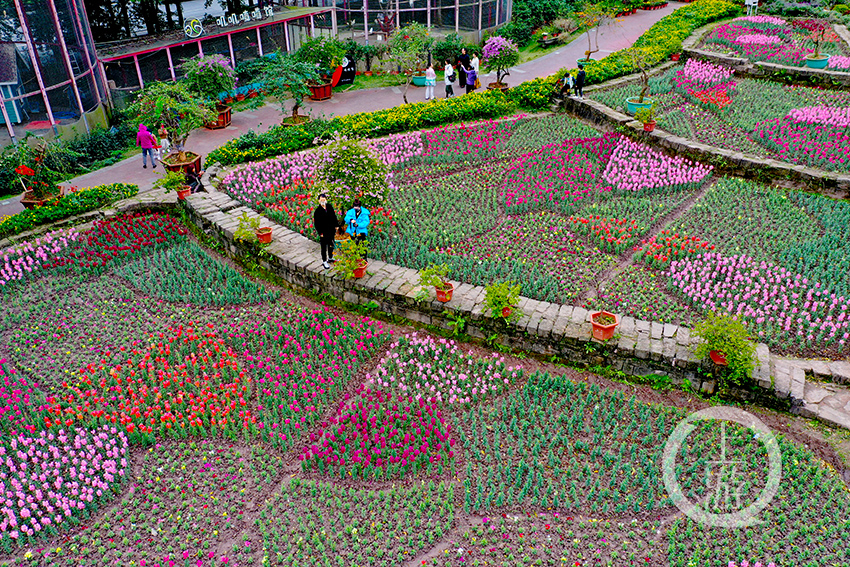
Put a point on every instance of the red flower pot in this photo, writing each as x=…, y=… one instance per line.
x=675, y=56
x=321, y=92
x=360, y=270
x=183, y=193
x=718, y=357
x=445, y=295
x=649, y=126
x=264, y=235
x=603, y=328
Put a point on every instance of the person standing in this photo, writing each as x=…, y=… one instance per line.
x=325, y=221
x=475, y=65
x=449, y=77
x=357, y=222
x=580, y=82
x=162, y=133
x=430, y=82
x=145, y=140
x=471, y=77
x=462, y=65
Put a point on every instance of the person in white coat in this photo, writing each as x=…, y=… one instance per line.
x=449, y=78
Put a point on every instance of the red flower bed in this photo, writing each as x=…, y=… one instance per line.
x=659, y=251
x=611, y=235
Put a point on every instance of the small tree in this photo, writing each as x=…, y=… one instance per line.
x=351, y=170
x=817, y=28
x=324, y=53
x=499, y=55
x=172, y=105
x=593, y=17
x=641, y=60
x=209, y=76
x=288, y=77
x=409, y=50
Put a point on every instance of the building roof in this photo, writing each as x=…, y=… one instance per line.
x=122, y=48
x=8, y=65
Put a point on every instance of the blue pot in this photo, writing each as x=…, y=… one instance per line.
x=819, y=63
x=632, y=104
x=419, y=80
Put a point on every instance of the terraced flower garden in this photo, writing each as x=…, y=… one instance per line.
x=585, y=218
x=160, y=409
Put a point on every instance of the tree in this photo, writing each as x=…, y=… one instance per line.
x=593, y=17
x=172, y=105
x=409, y=51
x=642, y=59
x=285, y=77
x=499, y=55
x=209, y=76
x=349, y=170
x=324, y=53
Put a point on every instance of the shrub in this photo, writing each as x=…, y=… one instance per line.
x=728, y=335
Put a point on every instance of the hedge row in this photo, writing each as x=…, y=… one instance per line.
x=75, y=203
x=661, y=40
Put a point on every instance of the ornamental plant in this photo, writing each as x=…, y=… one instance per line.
x=817, y=29
x=171, y=181
x=324, y=54
x=499, y=55
x=501, y=295
x=727, y=335
x=594, y=17
x=408, y=50
x=209, y=76
x=247, y=229
x=352, y=170
x=350, y=256
x=435, y=275
x=287, y=77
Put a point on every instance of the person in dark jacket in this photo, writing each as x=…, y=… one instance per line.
x=193, y=180
x=462, y=65
x=325, y=221
x=580, y=82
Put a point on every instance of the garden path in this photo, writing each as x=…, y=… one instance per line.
x=618, y=35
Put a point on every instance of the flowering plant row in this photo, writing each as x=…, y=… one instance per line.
x=670, y=246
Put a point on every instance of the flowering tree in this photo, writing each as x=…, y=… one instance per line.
x=348, y=169
x=500, y=54
x=593, y=17
x=409, y=50
x=209, y=76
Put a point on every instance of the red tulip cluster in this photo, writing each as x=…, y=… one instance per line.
x=612, y=235
x=668, y=246
x=716, y=98
x=376, y=434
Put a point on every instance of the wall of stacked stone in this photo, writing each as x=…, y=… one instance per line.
x=763, y=69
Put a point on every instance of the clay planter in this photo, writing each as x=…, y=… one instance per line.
x=368, y=73
x=264, y=235
x=360, y=270
x=294, y=120
x=649, y=126
x=240, y=97
x=506, y=311
x=603, y=328
x=192, y=163
x=321, y=92
x=718, y=358
x=183, y=193
x=224, y=116
x=253, y=94
x=675, y=56
x=30, y=202
x=228, y=100
x=497, y=86
x=445, y=295
x=418, y=80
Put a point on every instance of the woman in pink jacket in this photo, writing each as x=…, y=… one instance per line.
x=145, y=139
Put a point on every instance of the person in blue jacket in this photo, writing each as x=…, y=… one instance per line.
x=357, y=222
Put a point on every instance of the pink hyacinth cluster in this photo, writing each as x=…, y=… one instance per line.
x=438, y=371
x=50, y=477
x=18, y=405
x=838, y=117
x=839, y=63
x=772, y=20
x=636, y=167
x=757, y=39
x=781, y=305
x=699, y=75
x=20, y=262
x=374, y=430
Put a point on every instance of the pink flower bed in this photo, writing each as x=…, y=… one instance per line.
x=839, y=63
x=818, y=145
x=757, y=39
x=23, y=261
x=636, y=167
x=19, y=402
x=827, y=115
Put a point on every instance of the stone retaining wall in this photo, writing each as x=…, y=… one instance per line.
x=762, y=69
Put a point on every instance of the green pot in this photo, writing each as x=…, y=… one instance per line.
x=419, y=80
x=633, y=105
x=817, y=62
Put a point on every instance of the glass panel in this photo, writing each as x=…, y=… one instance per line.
x=43, y=34
x=86, y=86
x=216, y=45
x=245, y=45
x=63, y=103
x=273, y=37
x=181, y=53
x=299, y=32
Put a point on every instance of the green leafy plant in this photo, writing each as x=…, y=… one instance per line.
x=727, y=335
x=645, y=115
x=593, y=18
x=287, y=77
x=350, y=256
x=209, y=76
x=458, y=324
x=498, y=296
x=434, y=275
x=171, y=181
x=350, y=170
x=247, y=229
x=324, y=53
x=408, y=50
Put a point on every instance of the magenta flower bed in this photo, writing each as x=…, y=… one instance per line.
x=636, y=167
x=19, y=402
x=818, y=145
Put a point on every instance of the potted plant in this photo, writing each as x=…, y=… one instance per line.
x=174, y=106
x=249, y=230
x=646, y=116
x=726, y=342
x=641, y=59
x=173, y=181
x=207, y=77
x=408, y=50
x=36, y=179
x=500, y=299
x=436, y=275
x=675, y=48
x=351, y=259
x=289, y=77
x=368, y=52
x=594, y=17
x=499, y=55
x=818, y=29
x=604, y=324
x=325, y=54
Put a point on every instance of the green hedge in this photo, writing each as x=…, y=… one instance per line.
x=661, y=40
x=76, y=203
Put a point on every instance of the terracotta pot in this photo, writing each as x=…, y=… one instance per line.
x=30, y=202
x=603, y=331
x=193, y=163
x=240, y=97
x=224, y=117
x=675, y=56
x=445, y=295
x=497, y=86
x=649, y=126
x=368, y=73
x=718, y=358
x=264, y=235
x=183, y=193
x=228, y=100
x=360, y=270
x=252, y=94
x=506, y=311
x=321, y=92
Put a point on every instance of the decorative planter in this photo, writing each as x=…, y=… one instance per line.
x=368, y=73
x=294, y=120
x=633, y=105
x=675, y=56
x=718, y=358
x=418, y=80
x=445, y=295
x=321, y=92
x=264, y=235
x=183, y=193
x=497, y=87
x=253, y=94
x=224, y=116
x=360, y=270
x=817, y=62
x=603, y=328
x=227, y=100
x=30, y=202
x=584, y=62
x=506, y=311
x=649, y=126
x=240, y=97
x=192, y=163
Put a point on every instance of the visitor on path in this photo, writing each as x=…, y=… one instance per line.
x=165, y=145
x=325, y=221
x=146, y=140
x=357, y=222
x=463, y=65
x=568, y=85
x=430, y=82
x=193, y=180
x=471, y=78
x=476, y=66
x=580, y=82
x=449, y=77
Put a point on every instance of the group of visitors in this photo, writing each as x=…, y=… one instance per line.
x=575, y=84
x=325, y=221
x=462, y=72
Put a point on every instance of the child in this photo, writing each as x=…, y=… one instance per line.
x=449, y=78
x=430, y=82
